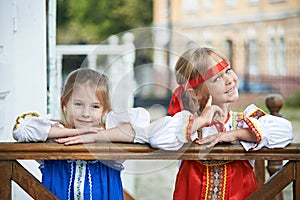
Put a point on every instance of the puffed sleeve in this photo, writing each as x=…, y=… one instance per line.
x=169, y=133
x=135, y=116
x=30, y=127
x=270, y=131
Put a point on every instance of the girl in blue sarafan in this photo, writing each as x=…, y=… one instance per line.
x=84, y=101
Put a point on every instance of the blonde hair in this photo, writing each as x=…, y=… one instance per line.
x=90, y=77
x=194, y=63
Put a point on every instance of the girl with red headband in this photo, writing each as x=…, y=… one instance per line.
x=204, y=73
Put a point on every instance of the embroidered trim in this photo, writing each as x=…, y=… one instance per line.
x=254, y=129
x=90, y=183
x=212, y=163
x=188, y=128
x=23, y=117
x=70, y=181
x=80, y=174
x=257, y=114
x=199, y=131
x=236, y=117
x=216, y=182
x=225, y=179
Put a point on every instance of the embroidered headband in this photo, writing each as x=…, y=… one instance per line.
x=175, y=104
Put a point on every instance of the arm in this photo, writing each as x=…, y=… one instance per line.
x=256, y=130
x=39, y=129
x=122, y=133
x=171, y=133
x=119, y=128
x=60, y=132
x=229, y=136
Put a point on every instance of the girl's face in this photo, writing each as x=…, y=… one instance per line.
x=223, y=87
x=83, y=108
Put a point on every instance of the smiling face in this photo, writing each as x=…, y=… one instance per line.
x=83, y=107
x=221, y=82
x=223, y=87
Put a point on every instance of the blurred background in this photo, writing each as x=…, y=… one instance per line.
x=261, y=38
x=137, y=43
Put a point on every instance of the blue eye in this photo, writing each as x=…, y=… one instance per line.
x=77, y=104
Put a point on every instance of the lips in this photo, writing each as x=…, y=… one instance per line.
x=231, y=90
x=84, y=122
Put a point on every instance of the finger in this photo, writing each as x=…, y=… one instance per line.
x=206, y=140
x=218, y=110
x=209, y=101
x=212, y=144
x=61, y=140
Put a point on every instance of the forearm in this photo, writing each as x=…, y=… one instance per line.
x=243, y=134
x=58, y=132
x=198, y=123
x=122, y=133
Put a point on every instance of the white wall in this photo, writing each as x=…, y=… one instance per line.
x=22, y=65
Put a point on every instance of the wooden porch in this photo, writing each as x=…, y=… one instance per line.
x=11, y=170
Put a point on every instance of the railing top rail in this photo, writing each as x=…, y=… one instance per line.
x=128, y=151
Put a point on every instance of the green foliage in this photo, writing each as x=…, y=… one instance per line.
x=93, y=21
x=294, y=101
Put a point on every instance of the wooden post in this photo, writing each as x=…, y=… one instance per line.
x=274, y=103
x=5, y=178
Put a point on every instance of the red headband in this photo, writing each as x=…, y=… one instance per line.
x=175, y=104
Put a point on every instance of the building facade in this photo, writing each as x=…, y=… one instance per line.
x=260, y=37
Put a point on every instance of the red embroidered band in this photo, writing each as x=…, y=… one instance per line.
x=175, y=104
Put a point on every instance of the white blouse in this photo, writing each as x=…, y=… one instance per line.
x=171, y=133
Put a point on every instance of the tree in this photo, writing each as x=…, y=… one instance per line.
x=93, y=21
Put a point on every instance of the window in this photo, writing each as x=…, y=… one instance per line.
x=276, y=1
x=208, y=4
x=229, y=50
x=281, y=57
x=252, y=57
x=190, y=6
x=253, y=2
x=271, y=57
x=230, y=3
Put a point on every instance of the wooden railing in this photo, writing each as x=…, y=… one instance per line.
x=10, y=169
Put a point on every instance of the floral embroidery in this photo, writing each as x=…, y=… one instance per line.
x=79, y=180
x=188, y=128
x=254, y=129
x=216, y=182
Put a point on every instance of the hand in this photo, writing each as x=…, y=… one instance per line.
x=212, y=140
x=210, y=112
x=80, y=139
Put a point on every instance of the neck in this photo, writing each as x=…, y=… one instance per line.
x=225, y=108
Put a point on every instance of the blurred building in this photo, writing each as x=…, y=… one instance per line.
x=260, y=37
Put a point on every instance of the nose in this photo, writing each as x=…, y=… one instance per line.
x=228, y=79
x=85, y=112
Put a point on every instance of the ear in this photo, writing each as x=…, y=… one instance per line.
x=191, y=92
x=64, y=108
